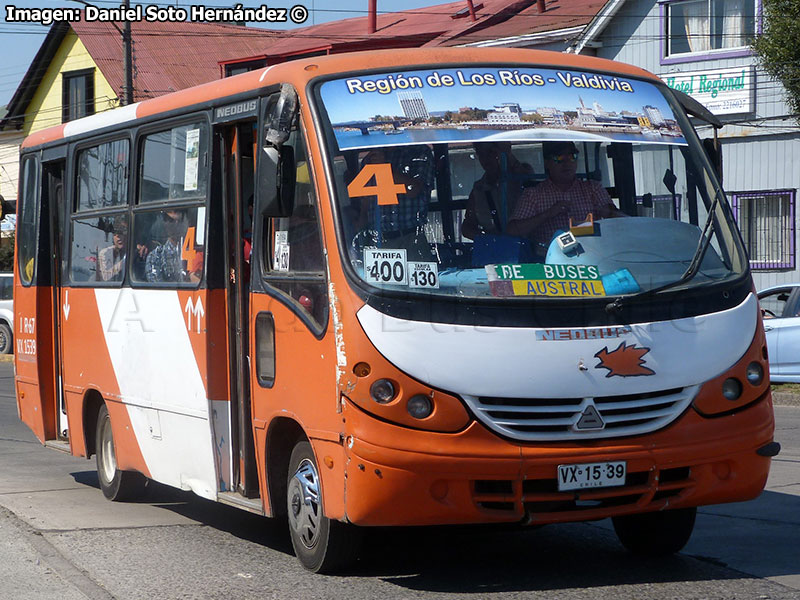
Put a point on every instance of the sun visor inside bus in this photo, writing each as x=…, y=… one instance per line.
x=276, y=181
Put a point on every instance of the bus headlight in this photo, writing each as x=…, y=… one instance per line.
x=382, y=391
x=736, y=394
x=419, y=406
x=731, y=389
x=754, y=373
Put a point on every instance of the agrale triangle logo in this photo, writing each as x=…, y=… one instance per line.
x=624, y=361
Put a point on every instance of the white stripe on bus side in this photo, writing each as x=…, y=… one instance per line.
x=101, y=120
x=161, y=384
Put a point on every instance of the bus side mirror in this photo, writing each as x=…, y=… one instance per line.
x=281, y=117
x=276, y=167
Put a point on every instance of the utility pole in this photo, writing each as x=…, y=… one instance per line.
x=127, y=58
x=127, y=53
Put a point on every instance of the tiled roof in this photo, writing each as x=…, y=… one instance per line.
x=438, y=25
x=169, y=56
x=559, y=14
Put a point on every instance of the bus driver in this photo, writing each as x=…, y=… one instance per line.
x=547, y=208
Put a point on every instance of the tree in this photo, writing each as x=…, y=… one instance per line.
x=533, y=118
x=777, y=47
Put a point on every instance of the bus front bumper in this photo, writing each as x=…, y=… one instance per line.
x=397, y=476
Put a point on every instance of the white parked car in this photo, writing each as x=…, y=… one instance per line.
x=6, y=313
x=780, y=308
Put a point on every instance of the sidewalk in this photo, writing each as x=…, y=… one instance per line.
x=30, y=566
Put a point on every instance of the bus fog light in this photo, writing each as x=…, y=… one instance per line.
x=755, y=373
x=420, y=407
x=382, y=391
x=731, y=388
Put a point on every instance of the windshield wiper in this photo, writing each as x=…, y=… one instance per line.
x=694, y=266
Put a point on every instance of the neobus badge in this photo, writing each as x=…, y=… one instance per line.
x=233, y=111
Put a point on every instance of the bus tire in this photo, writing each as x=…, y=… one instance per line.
x=322, y=545
x=656, y=533
x=6, y=339
x=117, y=485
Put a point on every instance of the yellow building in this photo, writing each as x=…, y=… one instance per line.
x=62, y=83
x=78, y=70
x=71, y=87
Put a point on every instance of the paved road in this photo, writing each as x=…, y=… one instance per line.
x=59, y=538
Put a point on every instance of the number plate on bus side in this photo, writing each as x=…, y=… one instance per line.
x=591, y=475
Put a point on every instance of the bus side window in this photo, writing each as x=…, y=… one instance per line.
x=169, y=218
x=100, y=241
x=293, y=246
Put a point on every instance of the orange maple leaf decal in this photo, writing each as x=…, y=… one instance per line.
x=625, y=361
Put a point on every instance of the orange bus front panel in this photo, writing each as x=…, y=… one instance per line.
x=397, y=476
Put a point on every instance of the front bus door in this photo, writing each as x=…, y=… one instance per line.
x=234, y=145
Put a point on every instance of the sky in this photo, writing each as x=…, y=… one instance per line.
x=19, y=42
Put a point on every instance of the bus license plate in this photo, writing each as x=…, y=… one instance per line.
x=591, y=475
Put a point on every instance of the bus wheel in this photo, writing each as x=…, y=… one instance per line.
x=116, y=485
x=6, y=339
x=322, y=545
x=656, y=533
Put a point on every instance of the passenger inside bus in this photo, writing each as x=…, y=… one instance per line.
x=494, y=196
x=111, y=260
x=402, y=224
x=165, y=262
x=549, y=207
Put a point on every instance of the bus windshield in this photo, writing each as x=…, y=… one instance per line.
x=519, y=182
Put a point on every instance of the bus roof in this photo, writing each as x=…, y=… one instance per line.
x=299, y=72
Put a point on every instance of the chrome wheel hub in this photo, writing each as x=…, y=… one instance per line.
x=108, y=460
x=305, y=512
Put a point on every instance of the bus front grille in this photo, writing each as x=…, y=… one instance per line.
x=540, y=499
x=557, y=419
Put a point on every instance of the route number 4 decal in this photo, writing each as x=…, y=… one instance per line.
x=188, y=251
x=384, y=186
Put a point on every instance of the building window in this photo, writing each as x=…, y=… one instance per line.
x=77, y=98
x=708, y=26
x=766, y=220
x=244, y=67
x=658, y=206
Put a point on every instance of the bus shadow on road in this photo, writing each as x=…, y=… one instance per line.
x=483, y=559
x=272, y=533
x=556, y=557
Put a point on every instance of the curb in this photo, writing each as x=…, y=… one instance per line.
x=785, y=398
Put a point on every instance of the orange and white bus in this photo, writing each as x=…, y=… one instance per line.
x=296, y=291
